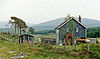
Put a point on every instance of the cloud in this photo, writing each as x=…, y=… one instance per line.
x=37, y=11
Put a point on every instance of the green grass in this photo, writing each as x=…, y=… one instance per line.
x=37, y=52
x=46, y=51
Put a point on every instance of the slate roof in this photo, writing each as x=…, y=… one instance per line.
x=65, y=22
x=27, y=35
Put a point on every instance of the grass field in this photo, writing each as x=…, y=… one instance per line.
x=12, y=50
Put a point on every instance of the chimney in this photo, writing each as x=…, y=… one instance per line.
x=79, y=18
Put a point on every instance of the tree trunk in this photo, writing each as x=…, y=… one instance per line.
x=15, y=28
x=20, y=30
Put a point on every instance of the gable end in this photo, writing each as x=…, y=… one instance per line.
x=65, y=22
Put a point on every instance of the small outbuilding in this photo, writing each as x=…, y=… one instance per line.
x=48, y=40
x=26, y=38
x=92, y=40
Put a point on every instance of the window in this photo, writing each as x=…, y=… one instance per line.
x=77, y=29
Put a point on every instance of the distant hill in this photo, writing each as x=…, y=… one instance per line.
x=10, y=30
x=54, y=23
x=50, y=25
x=2, y=24
x=93, y=32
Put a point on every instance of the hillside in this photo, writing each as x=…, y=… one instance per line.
x=10, y=30
x=2, y=24
x=50, y=25
x=54, y=23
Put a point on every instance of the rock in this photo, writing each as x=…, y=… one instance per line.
x=21, y=55
x=11, y=51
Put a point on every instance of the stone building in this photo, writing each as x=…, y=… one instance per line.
x=70, y=25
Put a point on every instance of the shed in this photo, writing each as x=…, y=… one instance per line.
x=48, y=40
x=92, y=40
x=26, y=38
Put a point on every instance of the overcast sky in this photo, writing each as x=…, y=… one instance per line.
x=38, y=11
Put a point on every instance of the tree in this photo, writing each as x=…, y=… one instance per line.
x=11, y=22
x=18, y=24
x=71, y=28
x=31, y=30
x=23, y=30
x=15, y=22
x=21, y=25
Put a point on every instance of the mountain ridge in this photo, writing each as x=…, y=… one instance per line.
x=54, y=23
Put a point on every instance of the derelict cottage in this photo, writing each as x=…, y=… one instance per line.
x=70, y=27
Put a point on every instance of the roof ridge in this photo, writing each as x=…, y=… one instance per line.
x=66, y=21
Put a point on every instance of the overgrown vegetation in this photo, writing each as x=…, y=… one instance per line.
x=46, y=51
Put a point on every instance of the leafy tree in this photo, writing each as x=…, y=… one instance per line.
x=18, y=24
x=22, y=25
x=15, y=21
x=31, y=30
x=23, y=30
